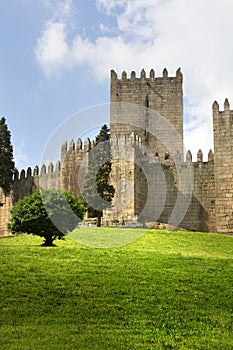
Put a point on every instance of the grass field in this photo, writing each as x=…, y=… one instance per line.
x=164, y=291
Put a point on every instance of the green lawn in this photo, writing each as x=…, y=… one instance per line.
x=164, y=291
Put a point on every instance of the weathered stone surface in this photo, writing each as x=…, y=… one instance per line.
x=147, y=166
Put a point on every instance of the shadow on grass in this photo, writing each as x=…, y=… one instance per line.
x=48, y=245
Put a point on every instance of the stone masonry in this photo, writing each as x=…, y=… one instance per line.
x=152, y=180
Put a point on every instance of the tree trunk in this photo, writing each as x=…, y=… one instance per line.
x=48, y=242
x=99, y=216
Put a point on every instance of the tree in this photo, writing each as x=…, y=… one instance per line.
x=7, y=165
x=97, y=184
x=50, y=214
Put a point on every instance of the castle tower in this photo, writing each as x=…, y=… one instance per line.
x=149, y=109
x=223, y=150
x=162, y=95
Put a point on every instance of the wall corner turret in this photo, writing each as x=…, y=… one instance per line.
x=223, y=160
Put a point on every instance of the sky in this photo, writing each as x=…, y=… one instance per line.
x=56, y=57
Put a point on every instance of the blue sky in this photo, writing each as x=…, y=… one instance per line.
x=56, y=56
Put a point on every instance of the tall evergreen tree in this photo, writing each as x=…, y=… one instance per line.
x=97, y=190
x=7, y=165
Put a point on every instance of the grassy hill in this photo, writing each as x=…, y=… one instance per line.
x=164, y=291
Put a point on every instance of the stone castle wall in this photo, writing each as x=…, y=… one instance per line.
x=72, y=158
x=223, y=145
x=24, y=184
x=150, y=110
x=149, y=191
x=152, y=107
x=201, y=212
x=147, y=161
x=62, y=175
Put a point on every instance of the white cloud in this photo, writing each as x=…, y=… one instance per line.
x=195, y=35
x=104, y=51
x=61, y=10
x=52, y=50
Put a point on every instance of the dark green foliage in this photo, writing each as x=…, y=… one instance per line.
x=103, y=135
x=97, y=190
x=50, y=215
x=7, y=165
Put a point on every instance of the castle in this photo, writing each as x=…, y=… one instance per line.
x=152, y=179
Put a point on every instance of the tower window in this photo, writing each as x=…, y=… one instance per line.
x=147, y=102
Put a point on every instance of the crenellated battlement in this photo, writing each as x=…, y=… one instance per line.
x=79, y=147
x=61, y=174
x=162, y=95
x=143, y=76
x=51, y=168
x=142, y=163
x=225, y=112
x=189, y=157
x=226, y=106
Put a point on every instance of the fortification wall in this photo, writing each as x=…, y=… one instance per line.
x=147, y=160
x=122, y=176
x=148, y=188
x=152, y=109
x=223, y=148
x=200, y=215
x=72, y=157
x=5, y=208
x=65, y=174
x=23, y=185
x=170, y=191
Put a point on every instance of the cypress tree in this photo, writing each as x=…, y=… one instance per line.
x=7, y=165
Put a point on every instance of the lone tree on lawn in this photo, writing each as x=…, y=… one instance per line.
x=97, y=190
x=50, y=215
x=7, y=165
